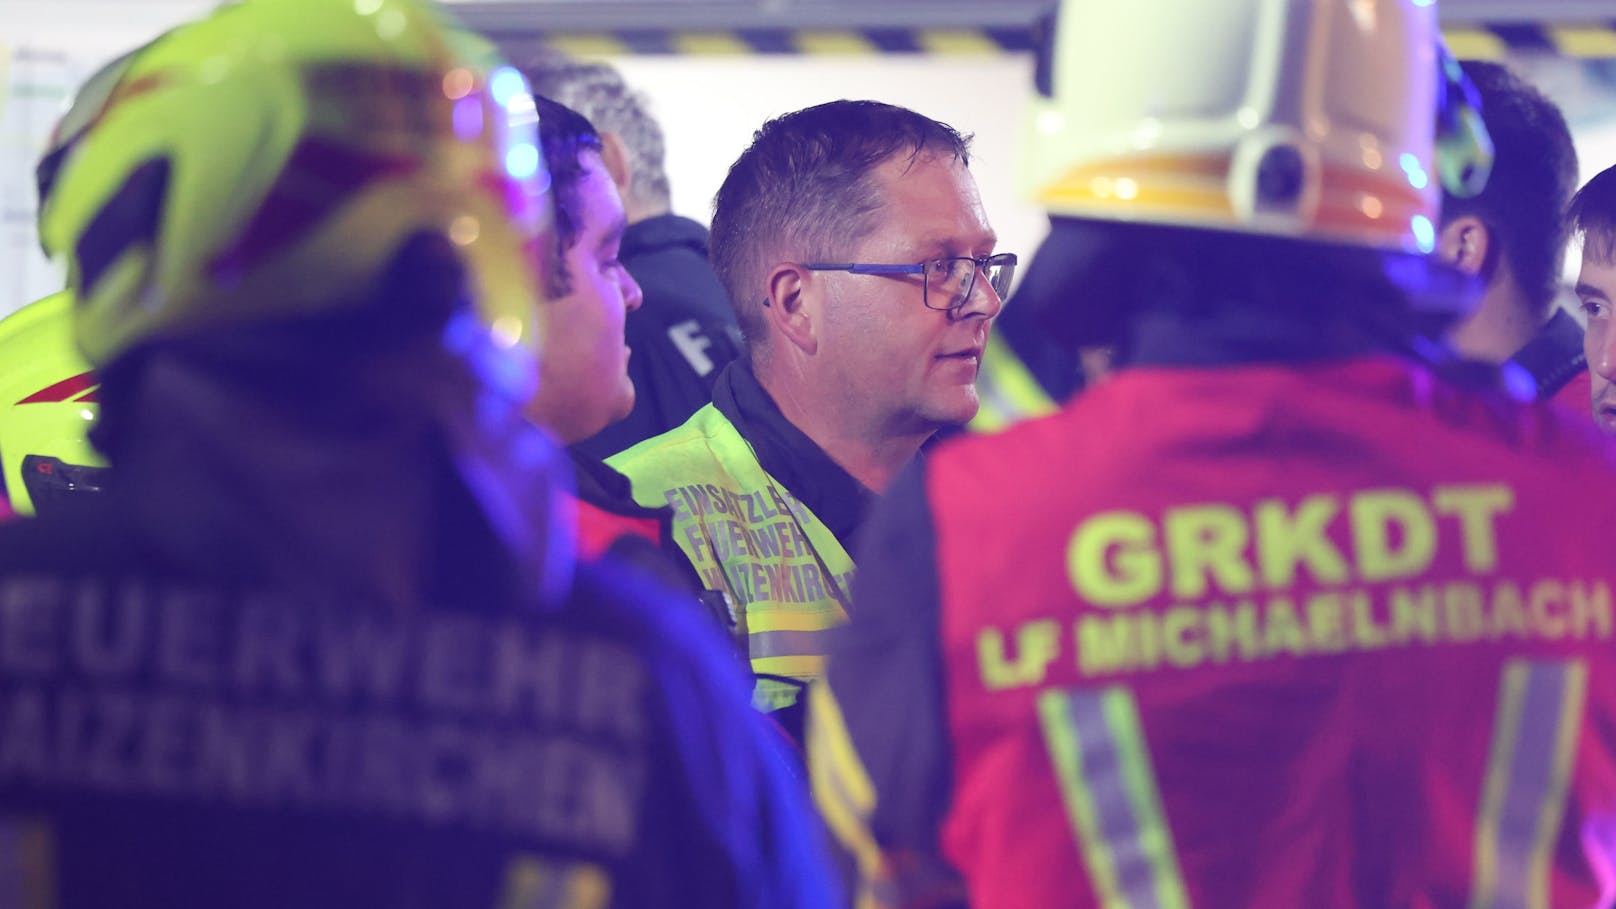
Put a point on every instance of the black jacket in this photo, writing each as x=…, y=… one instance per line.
x=1554, y=356
x=682, y=335
x=312, y=648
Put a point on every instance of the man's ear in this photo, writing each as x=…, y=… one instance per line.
x=789, y=307
x=614, y=156
x=1466, y=244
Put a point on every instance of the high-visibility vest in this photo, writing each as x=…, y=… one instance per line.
x=1007, y=390
x=745, y=534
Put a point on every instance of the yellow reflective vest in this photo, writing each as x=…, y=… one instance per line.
x=785, y=572
x=1007, y=391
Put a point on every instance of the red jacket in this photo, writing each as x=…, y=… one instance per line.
x=606, y=510
x=599, y=528
x=1332, y=635
x=1577, y=394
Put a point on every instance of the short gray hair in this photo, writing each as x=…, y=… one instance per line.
x=806, y=188
x=597, y=91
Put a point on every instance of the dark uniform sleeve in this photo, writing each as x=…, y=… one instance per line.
x=878, y=741
x=730, y=824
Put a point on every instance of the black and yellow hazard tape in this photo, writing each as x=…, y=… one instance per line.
x=751, y=41
x=1583, y=40
x=1491, y=41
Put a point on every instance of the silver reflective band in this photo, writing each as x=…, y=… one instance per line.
x=763, y=644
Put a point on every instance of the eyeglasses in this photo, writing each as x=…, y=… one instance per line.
x=948, y=280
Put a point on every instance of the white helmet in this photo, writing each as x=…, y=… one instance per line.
x=1308, y=119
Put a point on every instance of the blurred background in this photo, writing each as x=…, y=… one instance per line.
x=714, y=70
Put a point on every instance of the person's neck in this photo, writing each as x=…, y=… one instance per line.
x=1500, y=326
x=871, y=453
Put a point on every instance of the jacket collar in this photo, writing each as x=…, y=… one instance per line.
x=1554, y=356
x=607, y=489
x=789, y=455
x=663, y=231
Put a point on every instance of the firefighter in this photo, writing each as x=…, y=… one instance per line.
x=47, y=404
x=320, y=642
x=862, y=267
x=1294, y=608
x=47, y=390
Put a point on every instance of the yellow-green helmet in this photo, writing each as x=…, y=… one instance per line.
x=270, y=160
x=47, y=403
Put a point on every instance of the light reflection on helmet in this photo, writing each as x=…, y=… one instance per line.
x=1314, y=119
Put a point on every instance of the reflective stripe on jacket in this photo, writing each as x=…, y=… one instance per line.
x=1008, y=392
x=747, y=535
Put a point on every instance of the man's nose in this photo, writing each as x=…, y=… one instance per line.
x=982, y=301
x=632, y=295
x=1599, y=344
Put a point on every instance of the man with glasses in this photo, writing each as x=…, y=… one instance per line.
x=861, y=265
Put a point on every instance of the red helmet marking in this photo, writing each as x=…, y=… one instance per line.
x=318, y=179
x=68, y=389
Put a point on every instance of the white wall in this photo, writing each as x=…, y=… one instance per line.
x=1596, y=149
x=47, y=47
x=710, y=107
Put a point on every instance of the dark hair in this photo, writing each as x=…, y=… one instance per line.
x=597, y=90
x=1592, y=214
x=564, y=135
x=1287, y=299
x=1534, y=172
x=805, y=190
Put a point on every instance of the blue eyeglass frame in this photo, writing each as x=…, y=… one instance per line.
x=980, y=263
